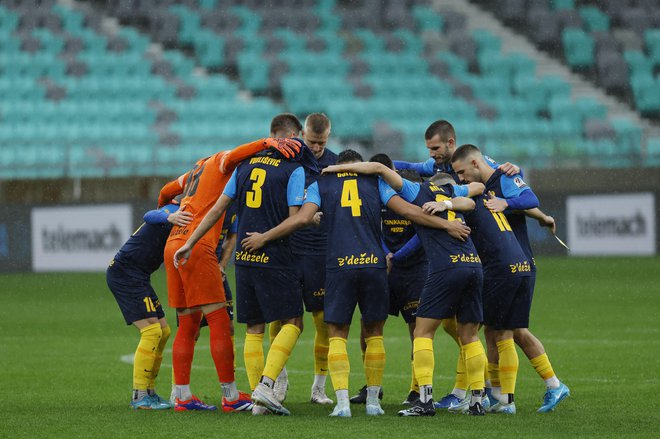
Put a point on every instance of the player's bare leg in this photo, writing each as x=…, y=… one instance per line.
x=556, y=391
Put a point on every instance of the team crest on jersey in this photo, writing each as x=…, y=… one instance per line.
x=519, y=182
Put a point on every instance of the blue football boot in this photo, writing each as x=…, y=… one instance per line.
x=553, y=397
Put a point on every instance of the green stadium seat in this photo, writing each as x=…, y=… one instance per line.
x=486, y=40
x=578, y=48
x=426, y=19
x=563, y=4
x=595, y=19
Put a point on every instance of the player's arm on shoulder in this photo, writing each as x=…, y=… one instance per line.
x=171, y=190
x=475, y=188
x=510, y=169
x=425, y=169
x=230, y=159
x=415, y=214
x=369, y=168
x=462, y=204
x=457, y=204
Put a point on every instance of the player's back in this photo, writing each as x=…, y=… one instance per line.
x=351, y=206
x=264, y=191
x=204, y=184
x=397, y=231
x=499, y=250
x=143, y=251
x=443, y=250
x=313, y=240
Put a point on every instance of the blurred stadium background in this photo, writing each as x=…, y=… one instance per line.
x=101, y=102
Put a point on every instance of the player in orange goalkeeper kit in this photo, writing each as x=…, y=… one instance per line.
x=196, y=287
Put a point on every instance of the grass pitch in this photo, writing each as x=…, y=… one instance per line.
x=64, y=347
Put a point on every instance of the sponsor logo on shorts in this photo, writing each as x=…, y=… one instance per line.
x=411, y=305
x=520, y=267
x=465, y=258
x=244, y=256
x=319, y=293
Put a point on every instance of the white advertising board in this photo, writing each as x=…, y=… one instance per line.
x=78, y=238
x=621, y=224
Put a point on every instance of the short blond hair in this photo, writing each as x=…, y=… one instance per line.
x=317, y=123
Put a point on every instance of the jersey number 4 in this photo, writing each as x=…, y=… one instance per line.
x=253, y=197
x=350, y=197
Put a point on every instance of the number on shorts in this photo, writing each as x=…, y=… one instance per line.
x=149, y=304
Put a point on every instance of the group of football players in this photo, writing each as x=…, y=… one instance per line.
x=443, y=243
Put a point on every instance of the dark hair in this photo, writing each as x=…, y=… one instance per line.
x=411, y=175
x=442, y=128
x=317, y=123
x=442, y=178
x=383, y=159
x=286, y=122
x=349, y=155
x=464, y=151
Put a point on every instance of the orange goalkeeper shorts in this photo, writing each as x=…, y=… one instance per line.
x=197, y=282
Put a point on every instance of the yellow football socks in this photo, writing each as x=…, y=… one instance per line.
x=145, y=355
x=253, y=356
x=374, y=360
x=338, y=363
x=166, y=331
x=461, y=373
x=321, y=344
x=475, y=362
x=280, y=350
x=544, y=369
x=508, y=365
x=414, y=385
x=494, y=374
x=423, y=360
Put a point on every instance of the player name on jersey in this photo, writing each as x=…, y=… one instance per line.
x=266, y=161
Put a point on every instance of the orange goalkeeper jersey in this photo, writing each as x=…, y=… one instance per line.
x=204, y=184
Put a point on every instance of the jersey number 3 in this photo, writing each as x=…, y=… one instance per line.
x=254, y=196
x=350, y=197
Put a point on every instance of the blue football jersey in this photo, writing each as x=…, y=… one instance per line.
x=493, y=236
x=144, y=249
x=397, y=232
x=430, y=167
x=313, y=240
x=442, y=250
x=351, y=207
x=264, y=187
